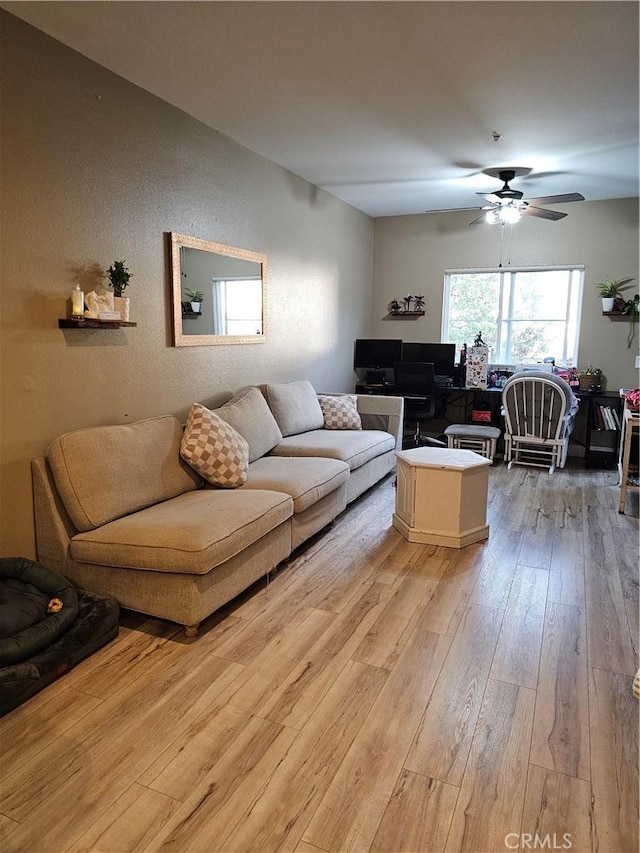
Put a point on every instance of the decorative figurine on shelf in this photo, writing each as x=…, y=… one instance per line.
x=477, y=341
x=407, y=302
x=419, y=300
x=394, y=307
x=98, y=304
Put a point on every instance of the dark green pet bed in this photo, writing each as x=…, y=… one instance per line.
x=47, y=626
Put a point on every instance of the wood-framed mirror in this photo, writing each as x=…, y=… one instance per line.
x=231, y=284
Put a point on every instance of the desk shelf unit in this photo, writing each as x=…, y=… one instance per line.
x=604, y=421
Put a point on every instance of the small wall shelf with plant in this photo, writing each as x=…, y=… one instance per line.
x=405, y=311
x=191, y=308
x=616, y=307
x=611, y=288
x=101, y=310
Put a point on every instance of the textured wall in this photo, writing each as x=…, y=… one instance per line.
x=95, y=169
x=412, y=253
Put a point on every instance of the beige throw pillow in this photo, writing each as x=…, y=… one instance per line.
x=340, y=412
x=295, y=406
x=214, y=449
x=248, y=413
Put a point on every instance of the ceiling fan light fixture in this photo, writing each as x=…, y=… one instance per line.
x=505, y=214
x=509, y=214
x=507, y=206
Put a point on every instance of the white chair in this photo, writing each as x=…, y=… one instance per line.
x=539, y=411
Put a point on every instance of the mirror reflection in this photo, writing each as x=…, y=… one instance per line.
x=218, y=293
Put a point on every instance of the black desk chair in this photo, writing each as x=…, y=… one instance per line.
x=414, y=380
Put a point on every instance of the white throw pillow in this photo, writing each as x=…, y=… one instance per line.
x=340, y=412
x=214, y=449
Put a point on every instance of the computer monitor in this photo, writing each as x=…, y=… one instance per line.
x=377, y=353
x=442, y=356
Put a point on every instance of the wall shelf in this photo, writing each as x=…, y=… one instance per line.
x=404, y=315
x=187, y=315
x=92, y=323
x=617, y=315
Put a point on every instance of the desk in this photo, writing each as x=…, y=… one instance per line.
x=630, y=427
x=600, y=445
x=452, y=396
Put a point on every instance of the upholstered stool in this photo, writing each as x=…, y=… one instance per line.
x=481, y=439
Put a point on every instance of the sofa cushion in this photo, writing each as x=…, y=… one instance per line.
x=190, y=534
x=340, y=412
x=103, y=473
x=295, y=407
x=305, y=480
x=248, y=414
x=214, y=449
x=355, y=447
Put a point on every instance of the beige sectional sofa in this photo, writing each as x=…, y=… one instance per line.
x=120, y=512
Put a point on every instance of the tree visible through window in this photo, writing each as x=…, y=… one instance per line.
x=523, y=314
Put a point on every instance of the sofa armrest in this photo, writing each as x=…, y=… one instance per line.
x=378, y=412
x=382, y=412
x=53, y=527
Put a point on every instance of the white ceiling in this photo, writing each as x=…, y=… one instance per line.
x=390, y=106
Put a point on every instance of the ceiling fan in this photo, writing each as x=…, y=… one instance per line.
x=506, y=205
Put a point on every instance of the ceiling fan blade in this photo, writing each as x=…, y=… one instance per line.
x=492, y=197
x=553, y=215
x=558, y=199
x=452, y=209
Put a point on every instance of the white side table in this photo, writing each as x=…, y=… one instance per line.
x=441, y=496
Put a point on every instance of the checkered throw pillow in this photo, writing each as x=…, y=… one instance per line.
x=340, y=412
x=214, y=449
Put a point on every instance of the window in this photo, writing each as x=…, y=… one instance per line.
x=523, y=314
x=237, y=306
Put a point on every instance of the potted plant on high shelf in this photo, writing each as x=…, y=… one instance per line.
x=119, y=278
x=631, y=309
x=609, y=289
x=195, y=299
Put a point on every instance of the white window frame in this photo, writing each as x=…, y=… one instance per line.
x=221, y=319
x=508, y=274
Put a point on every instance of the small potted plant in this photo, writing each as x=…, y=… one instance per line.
x=591, y=380
x=609, y=289
x=119, y=278
x=196, y=298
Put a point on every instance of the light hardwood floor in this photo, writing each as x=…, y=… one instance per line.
x=375, y=695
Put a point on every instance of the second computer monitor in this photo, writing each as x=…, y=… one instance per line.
x=442, y=356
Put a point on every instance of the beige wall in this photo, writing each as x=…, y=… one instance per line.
x=411, y=254
x=94, y=170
